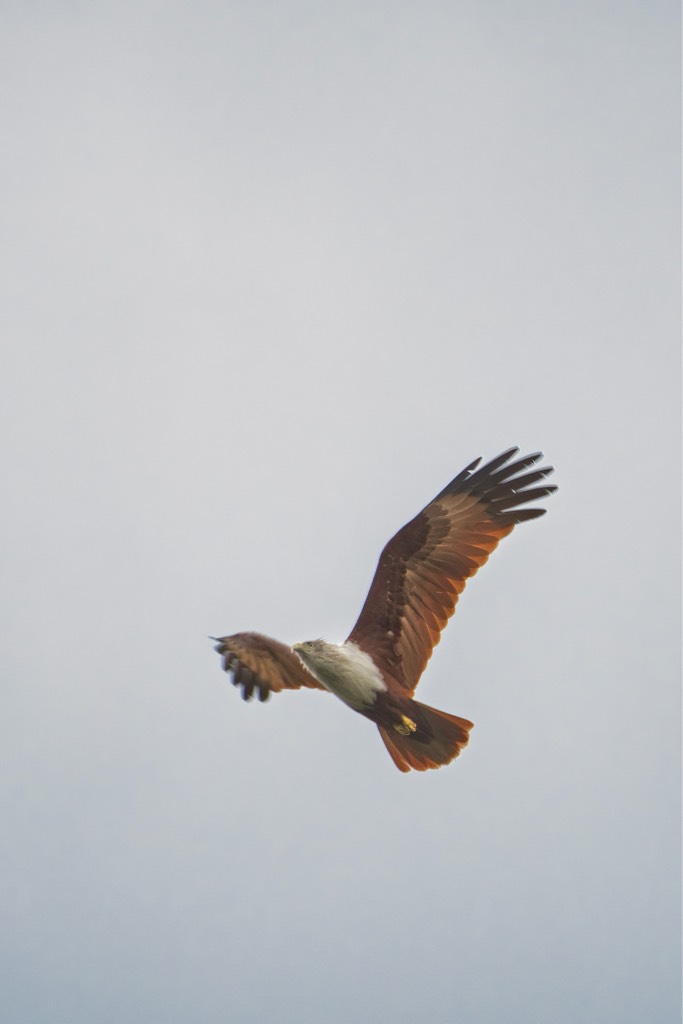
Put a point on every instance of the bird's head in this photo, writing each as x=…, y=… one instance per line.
x=312, y=652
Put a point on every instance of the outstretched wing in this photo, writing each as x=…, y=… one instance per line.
x=424, y=568
x=259, y=663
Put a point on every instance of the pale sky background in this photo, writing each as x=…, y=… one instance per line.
x=272, y=273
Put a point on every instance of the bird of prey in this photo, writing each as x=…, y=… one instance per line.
x=421, y=573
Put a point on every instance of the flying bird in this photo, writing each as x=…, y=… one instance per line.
x=420, y=575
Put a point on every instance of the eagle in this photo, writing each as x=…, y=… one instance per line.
x=420, y=575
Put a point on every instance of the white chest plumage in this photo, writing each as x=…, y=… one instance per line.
x=347, y=672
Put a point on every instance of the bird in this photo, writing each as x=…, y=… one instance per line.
x=420, y=575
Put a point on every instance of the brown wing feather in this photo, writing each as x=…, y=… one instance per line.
x=259, y=663
x=424, y=568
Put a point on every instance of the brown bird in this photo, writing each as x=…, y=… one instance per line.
x=420, y=576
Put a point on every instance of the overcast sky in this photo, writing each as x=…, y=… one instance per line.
x=272, y=274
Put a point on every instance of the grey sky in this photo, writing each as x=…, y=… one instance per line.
x=272, y=273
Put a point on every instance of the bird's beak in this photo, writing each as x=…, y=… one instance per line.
x=297, y=647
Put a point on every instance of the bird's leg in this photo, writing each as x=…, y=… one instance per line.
x=406, y=726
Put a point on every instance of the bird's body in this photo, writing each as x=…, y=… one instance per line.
x=345, y=670
x=420, y=575
x=352, y=676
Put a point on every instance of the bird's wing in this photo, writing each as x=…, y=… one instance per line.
x=424, y=568
x=259, y=663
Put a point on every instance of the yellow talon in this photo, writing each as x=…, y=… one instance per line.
x=406, y=726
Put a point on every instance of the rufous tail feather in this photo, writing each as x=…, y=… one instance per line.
x=436, y=741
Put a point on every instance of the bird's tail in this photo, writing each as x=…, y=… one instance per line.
x=436, y=739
